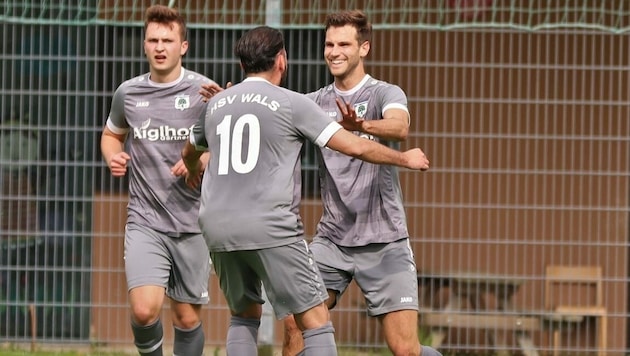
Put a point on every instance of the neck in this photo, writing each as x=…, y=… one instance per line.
x=350, y=81
x=166, y=77
x=270, y=76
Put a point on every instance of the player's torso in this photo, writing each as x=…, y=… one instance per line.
x=160, y=119
x=362, y=202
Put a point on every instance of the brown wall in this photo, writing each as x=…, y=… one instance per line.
x=528, y=138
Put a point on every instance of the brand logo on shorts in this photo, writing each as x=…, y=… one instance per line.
x=404, y=300
x=204, y=295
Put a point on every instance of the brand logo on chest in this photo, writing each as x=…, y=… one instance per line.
x=182, y=102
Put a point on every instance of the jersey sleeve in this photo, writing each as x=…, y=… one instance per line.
x=313, y=122
x=198, y=133
x=116, y=120
x=393, y=97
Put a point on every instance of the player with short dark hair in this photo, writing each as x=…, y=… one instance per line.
x=165, y=253
x=250, y=196
x=362, y=234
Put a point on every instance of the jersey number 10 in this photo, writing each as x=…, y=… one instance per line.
x=231, y=144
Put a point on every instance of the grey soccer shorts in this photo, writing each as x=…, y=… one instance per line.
x=385, y=273
x=179, y=264
x=289, y=274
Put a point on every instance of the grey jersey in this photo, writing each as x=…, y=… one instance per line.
x=158, y=119
x=250, y=191
x=362, y=201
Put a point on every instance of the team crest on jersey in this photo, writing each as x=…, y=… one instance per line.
x=361, y=108
x=182, y=102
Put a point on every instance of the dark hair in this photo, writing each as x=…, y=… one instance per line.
x=258, y=48
x=354, y=18
x=166, y=16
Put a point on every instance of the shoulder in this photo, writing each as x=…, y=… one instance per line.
x=196, y=78
x=381, y=85
x=139, y=81
x=321, y=92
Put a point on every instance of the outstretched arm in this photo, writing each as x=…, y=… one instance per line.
x=374, y=152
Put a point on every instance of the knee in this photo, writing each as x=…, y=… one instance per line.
x=144, y=315
x=187, y=321
x=253, y=311
x=406, y=349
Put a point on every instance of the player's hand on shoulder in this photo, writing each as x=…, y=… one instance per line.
x=349, y=119
x=118, y=164
x=416, y=159
x=211, y=89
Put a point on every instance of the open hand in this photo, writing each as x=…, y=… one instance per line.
x=211, y=89
x=349, y=120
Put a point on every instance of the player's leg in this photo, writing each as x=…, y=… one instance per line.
x=386, y=273
x=400, y=329
x=147, y=271
x=188, y=290
x=189, y=337
x=146, y=326
x=292, y=341
x=242, y=337
x=294, y=286
x=317, y=332
x=242, y=289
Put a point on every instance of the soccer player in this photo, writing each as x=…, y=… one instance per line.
x=362, y=234
x=165, y=253
x=250, y=193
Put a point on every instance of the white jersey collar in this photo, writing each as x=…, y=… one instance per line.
x=170, y=84
x=256, y=79
x=354, y=89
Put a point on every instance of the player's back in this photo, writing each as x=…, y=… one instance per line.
x=250, y=195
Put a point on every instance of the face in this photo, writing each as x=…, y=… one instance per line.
x=164, y=49
x=343, y=52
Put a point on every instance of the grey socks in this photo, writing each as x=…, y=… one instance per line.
x=188, y=342
x=148, y=339
x=320, y=341
x=429, y=351
x=242, y=337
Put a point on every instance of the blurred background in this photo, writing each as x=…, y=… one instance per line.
x=522, y=106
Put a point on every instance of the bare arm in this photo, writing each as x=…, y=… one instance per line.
x=373, y=152
x=394, y=126
x=194, y=164
x=179, y=169
x=112, y=149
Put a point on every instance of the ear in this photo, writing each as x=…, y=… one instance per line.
x=364, y=49
x=281, y=62
x=184, y=48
